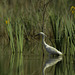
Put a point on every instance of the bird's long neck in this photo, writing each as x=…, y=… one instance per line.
x=43, y=39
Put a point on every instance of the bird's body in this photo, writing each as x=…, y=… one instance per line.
x=51, y=49
x=48, y=48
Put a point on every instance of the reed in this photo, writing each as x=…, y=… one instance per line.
x=10, y=33
x=27, y=19
x=63, y=33
x=16, y=35
x=19, y=32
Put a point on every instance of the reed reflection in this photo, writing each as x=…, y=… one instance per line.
x=16, y=65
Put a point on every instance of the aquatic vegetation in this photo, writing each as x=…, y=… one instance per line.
x=72, y=9
x=24, y=22
x=6, y=22
x=19, y=29
x=18, y=33
x=10, y=34
x=63, y=32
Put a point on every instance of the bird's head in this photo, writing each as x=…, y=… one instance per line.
x=41, y=33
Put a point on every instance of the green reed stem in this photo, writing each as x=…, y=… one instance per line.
x=10, y=33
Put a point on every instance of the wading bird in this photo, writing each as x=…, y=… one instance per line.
x=49, y=49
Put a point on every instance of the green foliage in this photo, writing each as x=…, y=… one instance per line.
x=28, y=18
x=19, y=29
x=10, y=34
x=63, y=32
x=16, y=35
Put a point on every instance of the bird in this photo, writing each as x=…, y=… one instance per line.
x=49, y=49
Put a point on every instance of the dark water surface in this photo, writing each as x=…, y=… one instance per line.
x=21, y=64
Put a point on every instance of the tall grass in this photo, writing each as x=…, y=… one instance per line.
x=16, y=35
x=63, y=32
x=27, y=20
x=10, y=34
x=19, y=36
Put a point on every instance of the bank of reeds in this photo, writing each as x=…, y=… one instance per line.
x=10, y=33
x=19, y=36
x=27, y=20
x=15, y=34
x=63, y=31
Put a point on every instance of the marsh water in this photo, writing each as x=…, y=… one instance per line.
x=35, y=63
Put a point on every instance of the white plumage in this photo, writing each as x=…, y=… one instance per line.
x=48, y=48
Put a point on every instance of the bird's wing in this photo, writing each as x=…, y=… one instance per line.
x=51, y=49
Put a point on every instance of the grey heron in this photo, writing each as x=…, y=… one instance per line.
x=49, y=49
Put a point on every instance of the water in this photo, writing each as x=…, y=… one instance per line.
x=31, y=64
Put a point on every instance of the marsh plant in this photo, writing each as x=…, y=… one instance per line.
x=63, y=31
x=10, y=33
x=19, y=29
x=16, y=35
x=30, y=17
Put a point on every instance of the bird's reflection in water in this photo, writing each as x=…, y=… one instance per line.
x=50, y=62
